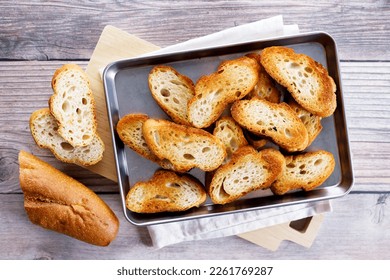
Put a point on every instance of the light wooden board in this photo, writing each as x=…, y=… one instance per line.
x=115, y=44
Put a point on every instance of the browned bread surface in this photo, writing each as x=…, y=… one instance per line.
x=73, y=105
x=307, y=171
x=58, y=202
x=166, y=191
x=233, y=80
x=275, y=120
x=231, y=135
x=307, y=80
x=312, y=122
x=44, y=129
x=265, y=87
x=184, y=146
x=247, y=171
x=172, y=91
x=129, y=129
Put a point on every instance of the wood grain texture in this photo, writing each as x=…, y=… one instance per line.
x=53, y=30
x=340, y=237
x=366, y=85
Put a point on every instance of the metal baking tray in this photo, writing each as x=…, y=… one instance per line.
x=127, y=91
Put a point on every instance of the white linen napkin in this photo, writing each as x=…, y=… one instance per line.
x=232, y=224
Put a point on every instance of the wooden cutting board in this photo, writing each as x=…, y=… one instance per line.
x=115, y=44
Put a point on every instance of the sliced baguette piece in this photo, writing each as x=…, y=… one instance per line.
x=185, y=147
x=312, y=122
x=172, y=91
x=73, y=105
x=307, y=80
x=129, y=129
x=233, y=80
x=166, y=191
x=44, y=129
x=275, y=120
x=231, y=135
x=247, y=171
x=60, y=203
x=265, y=87
x=304, y=171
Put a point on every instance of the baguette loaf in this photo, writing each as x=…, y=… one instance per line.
x=73, y=106
x=185, y=147
x=233, y=80
x=307, y=80
x=312, y=122
x=57, y=202
x=165, y=192
x=231, y=135
x=247, y=171
x=172, y=91
x=275, y=120
x=44, y=129
x=265, y=87
x=129, y=129
x=306, y=171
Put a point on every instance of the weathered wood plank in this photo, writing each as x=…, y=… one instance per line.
x=345, y=234
x=366, y=85
x=70, y=29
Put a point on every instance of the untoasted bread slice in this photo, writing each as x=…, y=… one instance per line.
x=306, y=171
x=312, y=122
x=307, y=80
x=275, y=120
x=172, y=91
x=231, y=135
x=265, y=87
x=129, y=129
x=185, y=147
x=247, y=171
x=166, y=191
x=44, y=129
x=73, y=105
x=233, y=80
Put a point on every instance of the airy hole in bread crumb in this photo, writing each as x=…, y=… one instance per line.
x=189, y=156
x=206, y=149
x=66, y=146
x=65, y=106
x=86, y=136
x=84, y=101
x=165, y=92
x=318, y=161
x=308, y=70
x=173, y=185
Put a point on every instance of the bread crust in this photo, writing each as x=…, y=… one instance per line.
x=70, y=115
x=232, y=81
x=184, y=146
x=166, y=191
x=275, y=120
x=44, y=128
x=247, y=171
x=173, y=94
x=307, y=80
x=305, y=171
x=58, y=202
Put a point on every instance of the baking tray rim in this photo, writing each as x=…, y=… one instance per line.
x=147, y=59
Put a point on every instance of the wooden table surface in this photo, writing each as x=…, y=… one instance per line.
x=37, y=37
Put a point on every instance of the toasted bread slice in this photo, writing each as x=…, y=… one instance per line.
x=233, y=80
x=185, y=147
x=172, y=91
x=166, y=191
x=129, y=129
x=265, y=87
x=44, y=129
x=312, y=122
x=247, y=171
x=307, y=171
x=231, y=135
x=256, y=141
x=275, y=120
x=73, y=105
x=307, y=80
